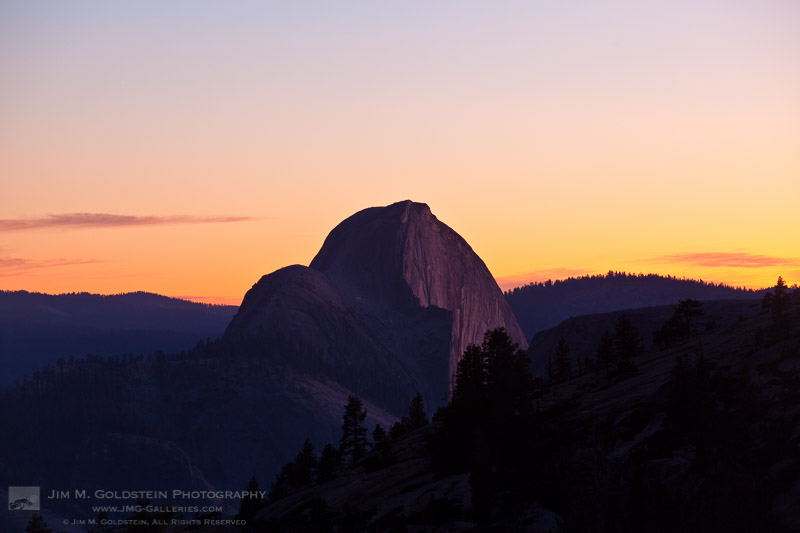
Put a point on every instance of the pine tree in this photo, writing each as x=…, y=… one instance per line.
x=491, y=401
x=383, y=444
x=508, y=378
x=605, y=353
x=781, y=301
x=252, y=502
x=417, y=417
x=561, y=361
x=329, y=461
x=379, y=437
x=766, y=302
x=469, y=389
x=627, y=342
x=305, y=463
x=283, y=482
x=679, y=326
x=38, y=525
x=354, y=433
x=686, y=311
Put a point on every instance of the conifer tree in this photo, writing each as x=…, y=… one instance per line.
x=354, y=433
x=417, y=417
x=38, y=525
x=469, y=389
x=561, y=361
x=781, y=301
x=252, y=502
x=329, y=461
x=686, y=311
x=306, y=462
x=627, y=342
x=379, y=436
x=605, y=352
x=508, y=378
x=383, y=444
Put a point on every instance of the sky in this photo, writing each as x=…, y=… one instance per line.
x=190, y=147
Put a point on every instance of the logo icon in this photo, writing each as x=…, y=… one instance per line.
x=23, y=498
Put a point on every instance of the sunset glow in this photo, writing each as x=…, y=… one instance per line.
x=189, y=148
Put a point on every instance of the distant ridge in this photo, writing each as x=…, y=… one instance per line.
x=37, y=328
x=83, y=294
x=382, y=312
x=542, y=305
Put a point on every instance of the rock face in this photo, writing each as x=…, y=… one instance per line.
x=389, y=254
x=383, y=312
x=392, y=286
x=297, y=318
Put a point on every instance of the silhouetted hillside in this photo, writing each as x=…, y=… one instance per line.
x=583, y=333
x=382, y=312
x=36, y=329
x=539, y=306
x=698, y=437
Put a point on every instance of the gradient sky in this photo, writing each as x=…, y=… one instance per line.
x=189, y=147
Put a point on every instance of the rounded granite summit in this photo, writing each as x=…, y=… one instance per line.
x=390, y=303
x=402, y=255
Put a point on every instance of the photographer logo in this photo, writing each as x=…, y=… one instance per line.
x=23, y=498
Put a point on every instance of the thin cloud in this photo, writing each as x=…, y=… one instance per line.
x=105, y=220
x=13, y=266
x=726, y=259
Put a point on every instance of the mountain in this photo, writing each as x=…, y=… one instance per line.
x=414, y=259
x=388, y=305
x=37, y=329
x=701, y=436
x=382, y=312
x=583, y=333
x=539, y=306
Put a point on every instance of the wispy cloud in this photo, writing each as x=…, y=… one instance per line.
x=726, y=259
x=95, y=220
x=13, y=266
x=515, y=280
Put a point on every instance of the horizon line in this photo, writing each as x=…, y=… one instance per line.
x=235, y=301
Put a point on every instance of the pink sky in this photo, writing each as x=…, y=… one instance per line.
x=189, y=148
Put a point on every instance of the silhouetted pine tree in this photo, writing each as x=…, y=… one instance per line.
x=295, y=474
x=470, y=386
x=417, y=417
x=250, y=503
x=379, y=437
x=306, y=462
x=329, y=461
x=605, y=353
x=38, y=525
x=491, y=397
x=508, y=379
x=561, y=361
x=781, y=302
x=679, y=326
x=627, y=343
x=354, y=433
x=686, y=311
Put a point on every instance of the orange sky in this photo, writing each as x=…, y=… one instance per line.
x=190, y=148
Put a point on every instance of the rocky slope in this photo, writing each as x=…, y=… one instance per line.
x=383, y=312
x=393, y=291
x=583, y=333
x=703, y=436
x=402, y=255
